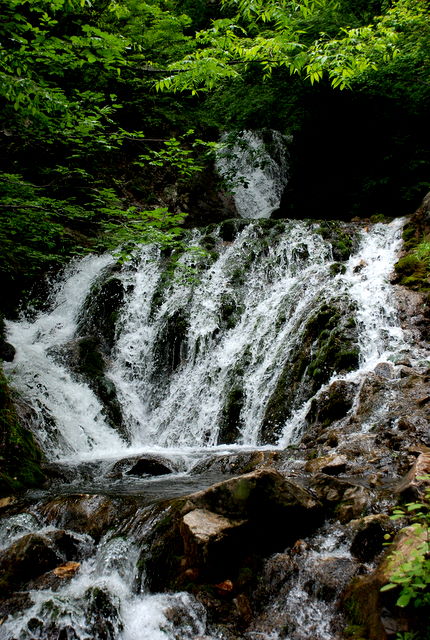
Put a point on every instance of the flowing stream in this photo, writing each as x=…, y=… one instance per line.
x=197, y=351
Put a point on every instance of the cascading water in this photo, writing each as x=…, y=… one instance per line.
x=230, y=333
x=199, y=352
x=257, y=166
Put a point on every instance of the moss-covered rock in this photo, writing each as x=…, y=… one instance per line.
x=101, y=308
x=171, y=345
x=328, y=345
x=86, y=357
x=230, y=421
x=413, y=268
x=341, y=236
x=234, y=523
x=20, y=456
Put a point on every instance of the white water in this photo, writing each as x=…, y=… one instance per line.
x=272, y=290
x=100, y=602
x=69, y=417
x=258, y=176
x=241, y=322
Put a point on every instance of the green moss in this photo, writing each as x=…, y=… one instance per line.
x=355, y=632
x=230, y=422
x=341, y=238
x=337, y=268
x=413, y=270
x=329, y=344
x=20, y=457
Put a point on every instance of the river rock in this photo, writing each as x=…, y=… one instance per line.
x=56, y=578
x=330, y=575
x=332, y=403
x=235, y=521
x=369, y=535
x=90, y=514
x=331, y=465
x=384, y=370
x=29, y=557
x=152, y=465
x=149, y=467
x=376, y=611
x=262, y=493
x=412, y=485
x=207, y=535
x=241, y=462
x=7, y=351
x=348, y=498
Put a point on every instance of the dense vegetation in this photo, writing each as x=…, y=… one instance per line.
x=107, y=103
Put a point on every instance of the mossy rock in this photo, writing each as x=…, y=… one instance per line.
x=20, y=456
x=328, y=345
x=342, y=237
x=86, y=358
x=413, y=271
x=170, y=348
x=230, y=422
x=101, y=309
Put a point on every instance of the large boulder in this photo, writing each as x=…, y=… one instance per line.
x=232, y=523
x=26, y=559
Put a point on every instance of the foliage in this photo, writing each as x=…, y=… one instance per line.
x=412, y=575
x=312, y=38
x=174, y=156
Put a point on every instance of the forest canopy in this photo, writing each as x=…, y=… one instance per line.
x=105, y=103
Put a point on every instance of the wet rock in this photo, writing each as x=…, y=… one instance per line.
x=329, y=344
x=138, y=465
x=234, y=522
x=275, y=573
x=29, y=557
x=333, y=403
x=330, y=465
x=242, y=462
x=360, y=266
x=14, y=603
x=102, y=613
x=149, y=467
x=257, y=494
x=354, y=503
x=348, y=499
x=7, y=501
x=56, y=578
x=330, y=576
x=7, y=351
x=87, y=513
x=374, y=610
x=384, y=370
x=86, y=357
x=209, y=538
x=412, y=486
x=101, y=309
x=369, y=536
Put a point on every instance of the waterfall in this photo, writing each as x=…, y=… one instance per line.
x=256, y=166
x=196, y=361
x=186, y=358
x=69, y=417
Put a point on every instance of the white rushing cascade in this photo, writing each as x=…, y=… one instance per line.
x=68, y=416
x=184, y=347
x=274, y=298
x=101, y=602
x=256, y=165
